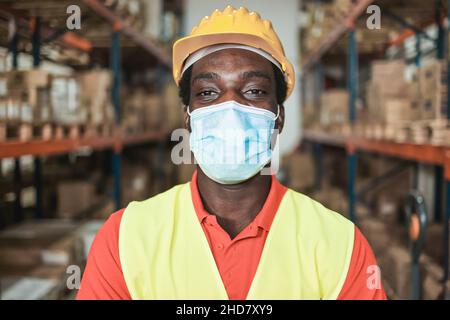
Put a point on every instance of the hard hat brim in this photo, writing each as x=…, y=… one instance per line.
x=188, y=45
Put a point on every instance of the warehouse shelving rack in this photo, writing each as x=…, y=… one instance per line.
x=117, y=141
x=439, y=156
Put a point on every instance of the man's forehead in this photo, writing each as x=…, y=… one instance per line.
x=244, y=75
x=231, y=59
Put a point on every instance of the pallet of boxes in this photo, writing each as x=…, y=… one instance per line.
x=25, y=107
x=430, y=94
x=334, y=116
x=402, y=110
x=321, y=19
x=146, y=110
x=97, y=112
x=388, y=98
x=37, y=104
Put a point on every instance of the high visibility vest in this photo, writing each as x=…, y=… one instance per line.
x=165, y=254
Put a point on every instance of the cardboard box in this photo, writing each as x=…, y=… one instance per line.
x=390, y=107
x=430, y=78
x=334, y=107
x=43, y=242
x=26, y=95
x=96, y=95
x=430, y=86
x=65, y=100
x=74, y=197
x=399, y=110
x=386, y=70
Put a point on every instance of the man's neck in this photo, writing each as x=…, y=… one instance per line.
x=235, y=206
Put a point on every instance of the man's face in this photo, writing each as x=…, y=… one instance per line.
x=234, y=74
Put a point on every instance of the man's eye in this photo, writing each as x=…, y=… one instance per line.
x=206, y=93
x=255, y=91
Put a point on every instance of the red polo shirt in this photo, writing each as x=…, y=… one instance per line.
x=236, y=259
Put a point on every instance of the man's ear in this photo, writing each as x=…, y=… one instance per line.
x=280, y=120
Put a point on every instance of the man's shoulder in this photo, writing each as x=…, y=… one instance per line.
x=314, y=211
x=171, y=193
x=165, y=201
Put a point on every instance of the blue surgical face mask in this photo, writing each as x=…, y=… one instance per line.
x=230, y=141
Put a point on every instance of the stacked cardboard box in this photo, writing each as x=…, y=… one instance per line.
x=141, y=110
x=65, y=100
x=334, y=107
x=388, y=97
x=430, y=85
x=95, y=86
x=24, y=96
x=322, y=19
x=343, y=6
x=74, y=197
x=37, y=97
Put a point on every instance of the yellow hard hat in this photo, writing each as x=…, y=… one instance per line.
x=233, y=26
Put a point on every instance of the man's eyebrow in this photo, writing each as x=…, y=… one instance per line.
x=205, y=76
x=255, y=74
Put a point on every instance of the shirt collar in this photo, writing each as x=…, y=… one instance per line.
x=263, y=219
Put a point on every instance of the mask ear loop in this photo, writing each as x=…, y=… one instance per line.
x=278, y=112
x=188, y=112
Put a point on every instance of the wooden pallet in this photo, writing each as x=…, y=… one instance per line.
x=18, y=131
x=436, y=131
x=399, y=132
x=100, y=130
x=47, y=131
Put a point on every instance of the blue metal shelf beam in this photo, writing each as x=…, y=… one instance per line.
x=115, y=92
x=352, y=86
x=38, y=183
